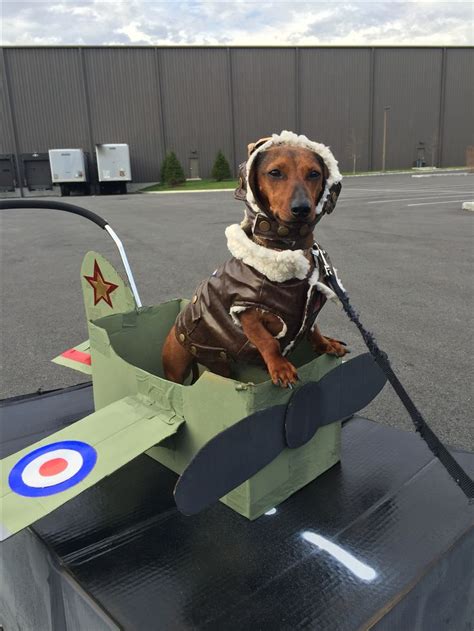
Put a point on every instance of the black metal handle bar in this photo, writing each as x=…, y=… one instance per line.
x=68, y=208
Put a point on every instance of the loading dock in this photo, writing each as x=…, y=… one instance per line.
x=37, y=174
x=7, y=173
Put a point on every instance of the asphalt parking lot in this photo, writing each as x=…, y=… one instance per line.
x=402, y=245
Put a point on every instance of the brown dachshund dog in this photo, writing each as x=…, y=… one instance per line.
x=287, y=181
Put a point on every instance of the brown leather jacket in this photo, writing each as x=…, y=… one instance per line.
x=285, y=283
x=209, y=328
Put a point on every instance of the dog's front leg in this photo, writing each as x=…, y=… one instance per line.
x=327, y=345
x=282, y=372
x=176, y=360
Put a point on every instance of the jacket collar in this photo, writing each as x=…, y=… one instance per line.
x=277, y=265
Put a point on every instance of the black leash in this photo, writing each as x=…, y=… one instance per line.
x=439, y=450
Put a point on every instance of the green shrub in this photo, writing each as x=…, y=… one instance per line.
x=171, y=170
x=221, y=168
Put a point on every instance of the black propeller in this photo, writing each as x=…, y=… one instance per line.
x=339, y=394
x=236, y=454
x=231, y=458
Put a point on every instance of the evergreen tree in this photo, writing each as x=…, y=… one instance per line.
x=221, y=168
x=171, y=170
x=164, y=167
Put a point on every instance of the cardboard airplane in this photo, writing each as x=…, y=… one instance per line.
x=242, y=440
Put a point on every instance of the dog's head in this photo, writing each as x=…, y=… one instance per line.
x=288, y=182
x=291, y=180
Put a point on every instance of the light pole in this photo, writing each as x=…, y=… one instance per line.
x=384, y=144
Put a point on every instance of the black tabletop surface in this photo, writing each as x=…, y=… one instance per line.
x=338, y=554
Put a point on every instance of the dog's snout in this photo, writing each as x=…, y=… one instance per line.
x=300, y=209
x=300, y=204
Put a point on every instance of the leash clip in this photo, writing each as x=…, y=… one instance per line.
x=327, y=267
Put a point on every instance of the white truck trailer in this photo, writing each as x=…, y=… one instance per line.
x=69, y=170
x=113, y=167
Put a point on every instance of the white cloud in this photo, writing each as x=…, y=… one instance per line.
x=135, y=34
x=88, y=12
x=212, y=22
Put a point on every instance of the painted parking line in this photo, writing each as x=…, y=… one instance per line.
x=185, y=192
x=447, y=201
x=408, y=199
x=404, y=189
x=439, y=174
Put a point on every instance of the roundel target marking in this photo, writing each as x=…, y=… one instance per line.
x=52, y=468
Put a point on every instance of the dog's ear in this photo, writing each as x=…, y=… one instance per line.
x=255, y=145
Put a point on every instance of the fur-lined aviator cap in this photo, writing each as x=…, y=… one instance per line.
x=254, y=214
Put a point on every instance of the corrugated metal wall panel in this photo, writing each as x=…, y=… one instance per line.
x=47, y=98
x=459, y=106
x=264, y=88
x=125, y=105
x=409, y=81
x=49, y=101
x=335, y=101
x=7, y=141
x=196, y=104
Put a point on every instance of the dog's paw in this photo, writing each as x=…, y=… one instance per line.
x=330, y=346
x=283, y=373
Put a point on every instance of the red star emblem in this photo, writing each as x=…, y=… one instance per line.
x=102, y=288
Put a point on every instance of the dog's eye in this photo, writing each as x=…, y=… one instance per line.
x=314, y=175
x=275, y=173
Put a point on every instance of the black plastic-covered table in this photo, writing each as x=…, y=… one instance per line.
x=385, y=540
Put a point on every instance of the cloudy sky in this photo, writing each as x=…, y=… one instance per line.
x=211, y=22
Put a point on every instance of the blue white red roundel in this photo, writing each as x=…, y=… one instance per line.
x=52, y=468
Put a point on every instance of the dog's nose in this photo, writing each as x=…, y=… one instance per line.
x=300, y=210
